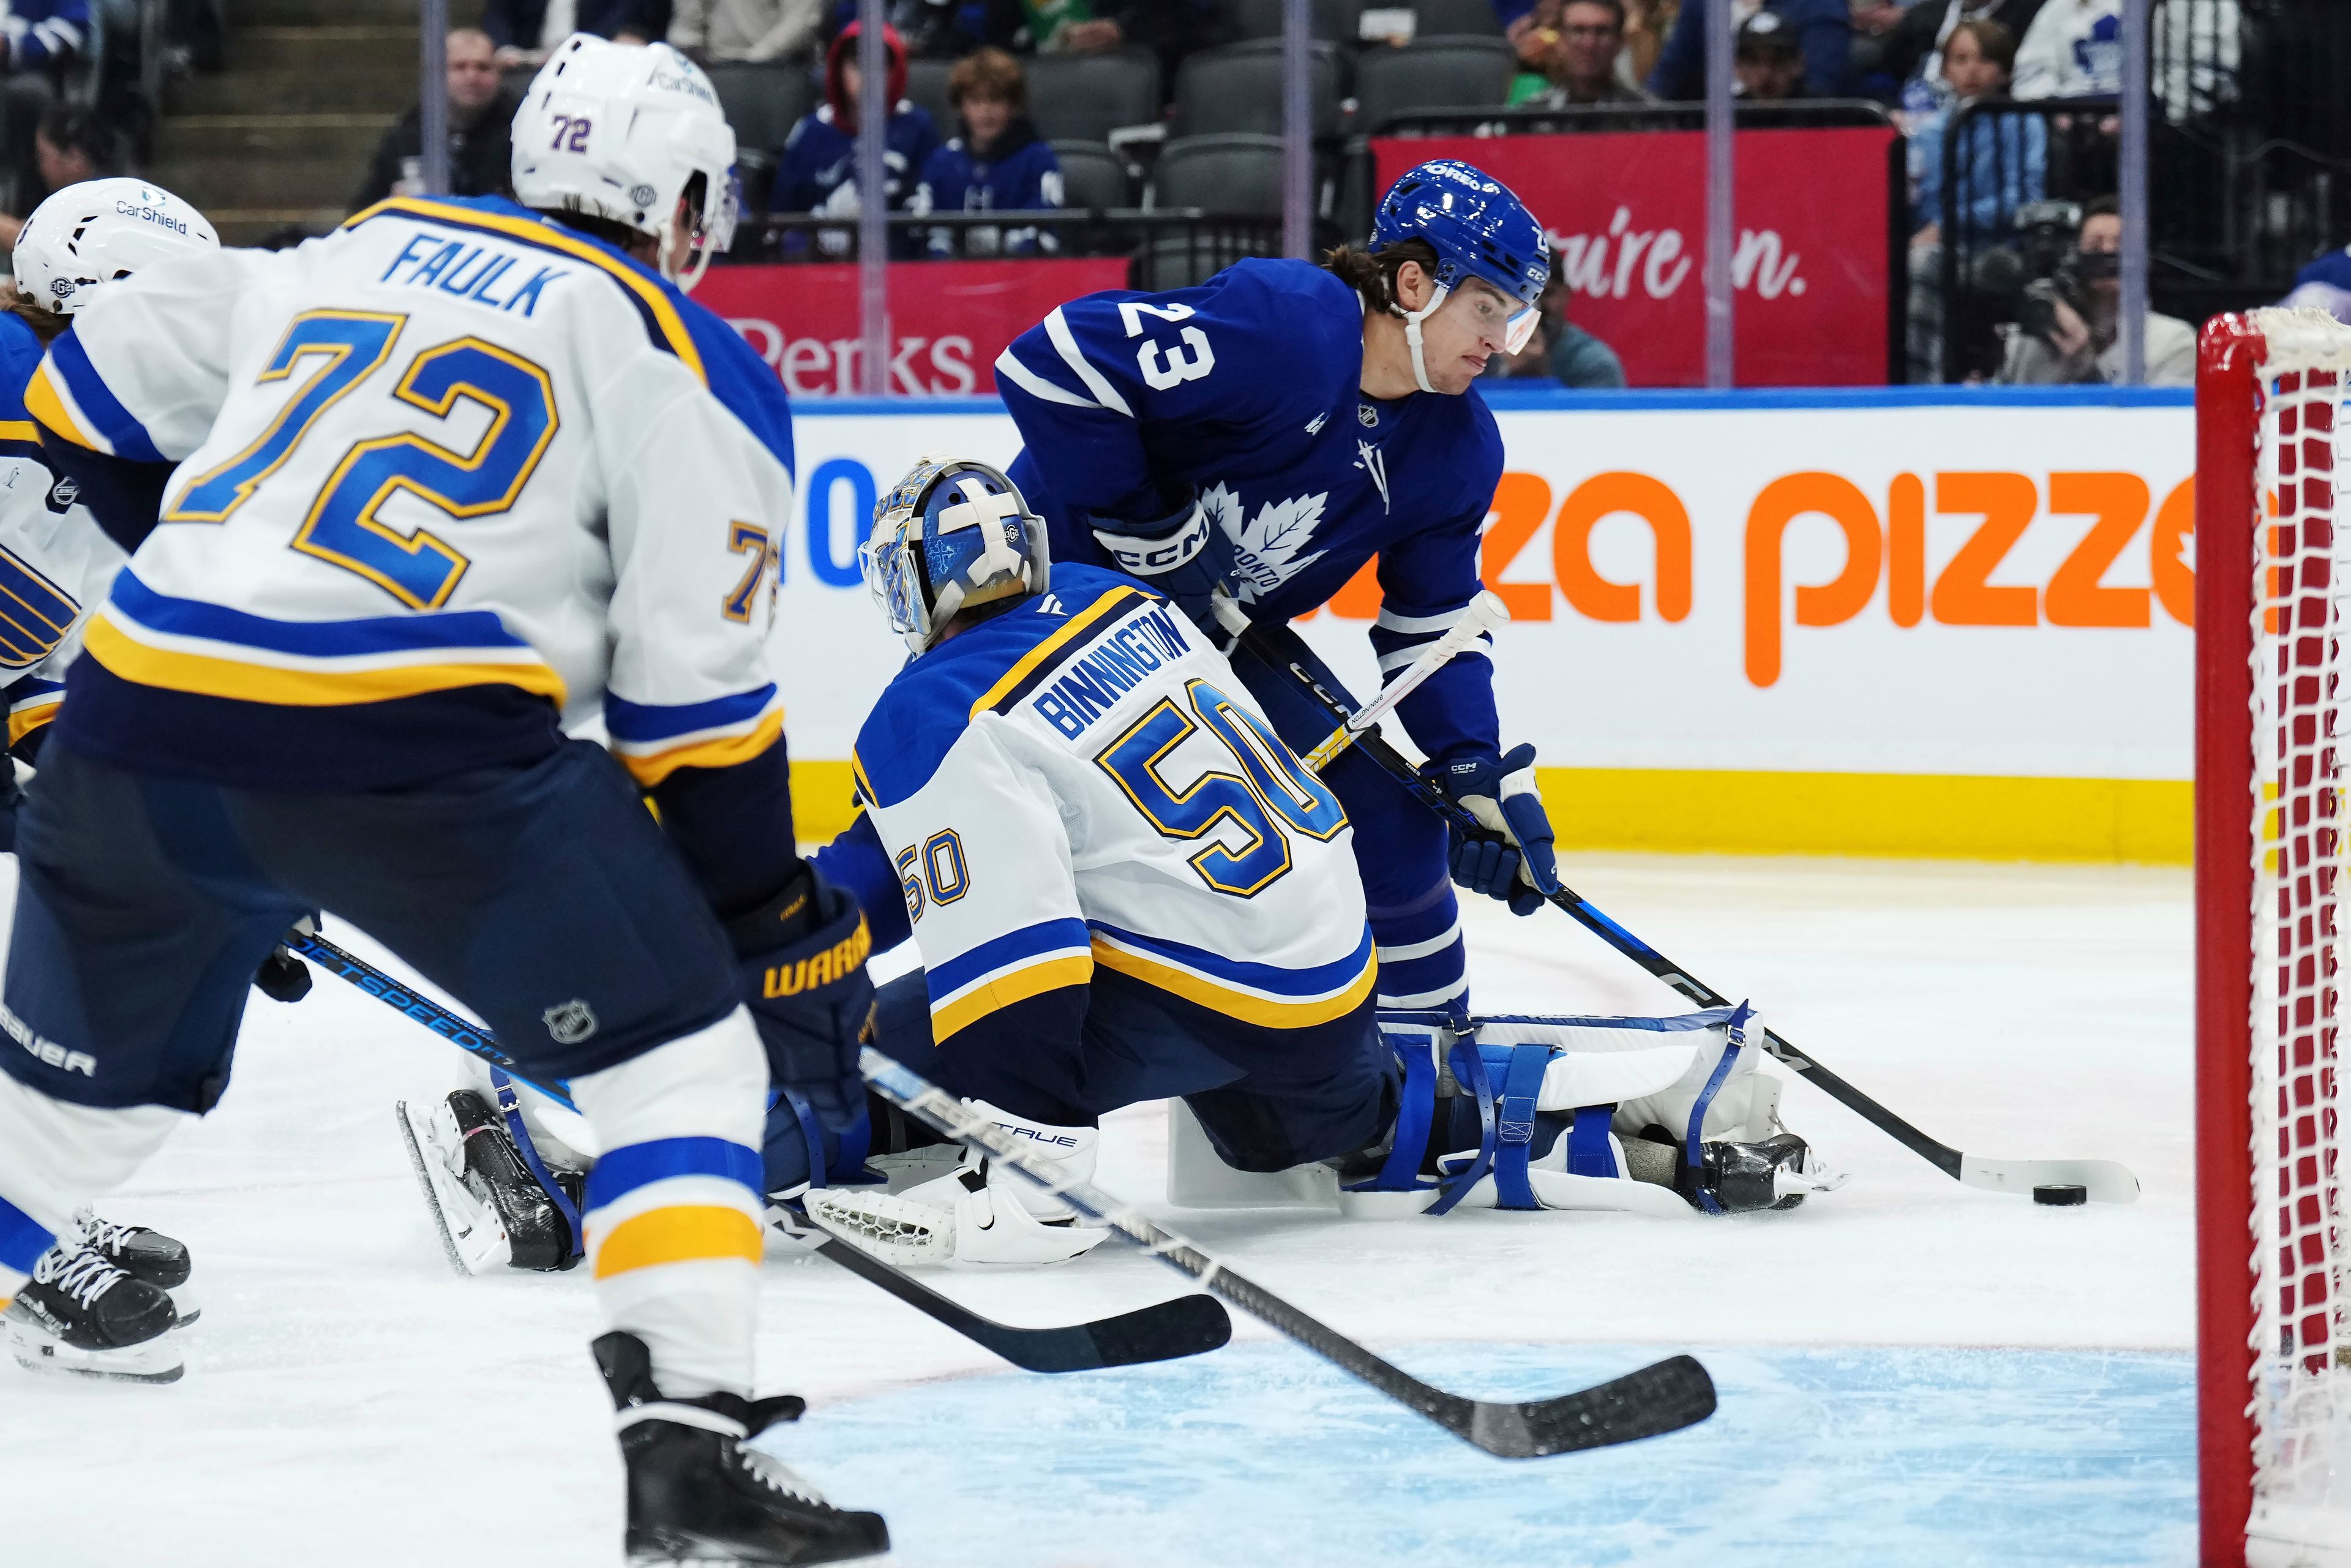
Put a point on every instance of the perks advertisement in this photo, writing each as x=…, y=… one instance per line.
x=1626, y=214
x=948, y=319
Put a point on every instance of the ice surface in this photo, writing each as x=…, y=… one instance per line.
x=1912, y=1372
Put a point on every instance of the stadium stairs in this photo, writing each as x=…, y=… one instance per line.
x=280, y=139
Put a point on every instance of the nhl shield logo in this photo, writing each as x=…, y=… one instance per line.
x=1366, y=415
x=570, y=1024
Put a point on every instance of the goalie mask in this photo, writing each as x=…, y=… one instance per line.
x=954, y=534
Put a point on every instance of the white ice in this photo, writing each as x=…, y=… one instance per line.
x=349, y=1401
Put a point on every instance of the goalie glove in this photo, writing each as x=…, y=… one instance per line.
x=1511, y=858
x=1184, y=555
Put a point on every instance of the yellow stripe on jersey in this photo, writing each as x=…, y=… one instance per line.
x=214, y=677
x=24, y=720
x=994, y=995
x=682, y=1233
x=649, y=768
x=51, y=410
x=1082, y=624
x=547, y=237
x=19, y=430
x=1246, y=1006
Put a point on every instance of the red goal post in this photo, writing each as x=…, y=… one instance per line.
x=2274, y=1395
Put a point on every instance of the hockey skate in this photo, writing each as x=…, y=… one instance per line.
x=490, y=1210
x=975, y=1215
x=699, y=1495
x=144, y=1254
x=79, y=1314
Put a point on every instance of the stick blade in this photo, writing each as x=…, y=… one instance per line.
x=1661, y=1397
x=2103, y=1180
x=1168, y=1331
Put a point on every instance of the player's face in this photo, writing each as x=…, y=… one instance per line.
x=1470, y=327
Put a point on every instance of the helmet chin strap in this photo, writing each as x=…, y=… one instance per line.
x=1412, y=320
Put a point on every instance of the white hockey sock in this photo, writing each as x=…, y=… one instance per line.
x=54, y=1157
x=673, y=1211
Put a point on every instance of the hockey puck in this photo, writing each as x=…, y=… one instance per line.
x=2061, y=1195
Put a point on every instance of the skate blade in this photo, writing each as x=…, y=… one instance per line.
x=472, y=1240
x=153, y=1362
x=187, y=1303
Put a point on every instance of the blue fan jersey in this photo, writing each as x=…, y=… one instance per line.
x=820, y=161
x=1246, y=391
x=1019, y=173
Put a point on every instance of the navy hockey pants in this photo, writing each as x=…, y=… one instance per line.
x=1267, y=1098
x=543, y=896
x=1400, y=844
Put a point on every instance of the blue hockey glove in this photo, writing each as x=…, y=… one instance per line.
x=1184, y=555
x=1512, y=859
x=803, y=958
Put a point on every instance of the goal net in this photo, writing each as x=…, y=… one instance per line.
x=2273, y=566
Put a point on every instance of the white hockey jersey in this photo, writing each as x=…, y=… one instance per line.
x=1081, y=782
x=55, y=560
x=442, y=476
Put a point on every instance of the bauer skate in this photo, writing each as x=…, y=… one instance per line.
x=698, y=1494
x=79, y=1314
x=490, y=1210
x=146, y=1254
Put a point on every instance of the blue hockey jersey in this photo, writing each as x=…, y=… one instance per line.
x=43, y=32
x=1246, y=391
x=819, y=173
x=1019, y=173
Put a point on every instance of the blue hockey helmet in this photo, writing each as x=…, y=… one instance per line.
x=953, y=534
x=1478, y=229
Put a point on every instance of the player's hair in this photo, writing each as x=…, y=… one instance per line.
x=48, y=325
x=615, y=233
x=1994, y=41
x=988, y=73
x=1373, y=274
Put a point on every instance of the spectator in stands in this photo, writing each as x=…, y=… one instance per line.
x=1581, y=361
x=1169, y=28
x=1582, y=65
x=1823, y=30
x=1769, y=64
x=1647, y=25
x=2002, y=163
x=997, y=165
x=71, y=145
x=2079, y=339
x=481, y=118
x=818, y=173
x=39, y=39
x=2075, y=48
x=526, y=30
x=2325, y=284
x=756, y=32
x=1910, y=56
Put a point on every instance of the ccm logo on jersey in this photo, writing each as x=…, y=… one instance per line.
x=49, y=1050
x=841, y=958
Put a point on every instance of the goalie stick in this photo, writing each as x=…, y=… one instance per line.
x=2104, y=1181
x=1661, y=1397
x=1164, y=1330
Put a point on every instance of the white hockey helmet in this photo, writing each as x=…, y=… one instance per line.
x=619, y=131
x=88, y=235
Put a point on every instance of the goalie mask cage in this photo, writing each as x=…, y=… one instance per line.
x=2273, y=569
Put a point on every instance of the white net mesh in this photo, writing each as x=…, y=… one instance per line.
x=2301, y=1402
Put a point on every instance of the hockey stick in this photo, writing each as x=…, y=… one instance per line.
x=1663, y=1397
x=1164, y=1330
x=2103, y=1181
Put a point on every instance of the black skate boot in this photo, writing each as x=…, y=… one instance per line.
x=698, y=1495
x=489, y=1208
x=81, y=1314
x=161, y=1260
x=1742, y=1177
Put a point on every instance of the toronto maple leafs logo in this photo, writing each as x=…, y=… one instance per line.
x=1266, y=546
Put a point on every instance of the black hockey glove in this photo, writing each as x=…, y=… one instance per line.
x=803, y=957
